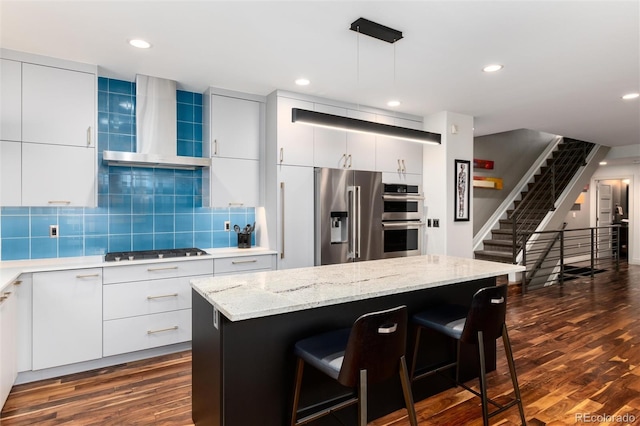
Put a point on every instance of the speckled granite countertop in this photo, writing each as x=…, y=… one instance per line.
x=11, y=270
x=254, y=295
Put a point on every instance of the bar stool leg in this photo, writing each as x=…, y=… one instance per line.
x=512, y=370
x=483, y=380
x=297, y=387
x=416, y=343
x=406, y=390
x=362, y=399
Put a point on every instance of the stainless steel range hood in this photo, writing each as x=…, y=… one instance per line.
x=156, y=124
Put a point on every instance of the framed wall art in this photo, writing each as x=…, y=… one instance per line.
x=462, y=181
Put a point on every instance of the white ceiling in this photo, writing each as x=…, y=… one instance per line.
x=567, y=63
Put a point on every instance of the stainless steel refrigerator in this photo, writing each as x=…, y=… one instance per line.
x=348, y=216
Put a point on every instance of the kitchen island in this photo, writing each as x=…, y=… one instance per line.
x=245, y=326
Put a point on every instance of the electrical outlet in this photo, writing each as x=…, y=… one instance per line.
x=227, y=225
x=436, y=223
x=53, y=231
x=428, y=223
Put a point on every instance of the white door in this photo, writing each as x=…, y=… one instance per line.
x=361, y=147
x=604, y=210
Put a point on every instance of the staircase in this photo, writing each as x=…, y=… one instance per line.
x=538, y=198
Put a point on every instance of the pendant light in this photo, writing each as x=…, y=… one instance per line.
x=314, y=118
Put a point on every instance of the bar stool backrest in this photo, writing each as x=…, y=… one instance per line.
x=487, y=314
x=376, y=344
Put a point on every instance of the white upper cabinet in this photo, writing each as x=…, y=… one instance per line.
x=10, y=100
x=235, y=128
x=294, y=140
x=234, y=183
x=58, y=106
x=330, y=145
x=396, y=155
x=58, y=176
x=361, y=147
x=10, y=173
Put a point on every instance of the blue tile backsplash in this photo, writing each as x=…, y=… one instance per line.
x=138, y=208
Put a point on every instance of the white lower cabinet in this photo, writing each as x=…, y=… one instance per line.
x=149, y=305
x=67, y=317
x=240, y=264
x=146, y=331
x=8, y=341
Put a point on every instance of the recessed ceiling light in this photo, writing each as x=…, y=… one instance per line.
x=603, y=163
x=139, y=43
x=302, y=82
x=631, y=96
x=492, y=68
x=393, y=103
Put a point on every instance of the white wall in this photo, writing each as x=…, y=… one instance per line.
x=451, y=238
x=631, y=172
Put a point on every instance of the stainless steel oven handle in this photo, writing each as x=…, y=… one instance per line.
x=407, y=197
x=412, y=225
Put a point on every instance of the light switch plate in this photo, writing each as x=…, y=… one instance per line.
x=53, y=231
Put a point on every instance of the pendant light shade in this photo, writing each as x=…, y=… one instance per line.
x=362, y=126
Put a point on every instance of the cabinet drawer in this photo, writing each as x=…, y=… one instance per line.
x=147, y=297
x=147, y=331
x=155, y=271
x=242, y=264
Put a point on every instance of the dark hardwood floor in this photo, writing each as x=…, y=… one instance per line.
x=577, y=352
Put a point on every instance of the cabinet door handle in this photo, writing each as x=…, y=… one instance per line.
x=175, y=327
x=237, y=262
x=281, y=155
x=399, y=166
x=215, y=147
x=17, y=282
x=59, y=202
x=162, y=269
x=88, y=276
x=282, y=219
x=89, y=136
x=404, y=167
x=162, y=296
x=236, y=204
x=349, y=160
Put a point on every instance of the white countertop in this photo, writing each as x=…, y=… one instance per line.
x=10, y=270
x=259, y=294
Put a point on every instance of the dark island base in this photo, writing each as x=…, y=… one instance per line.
x=243, y=371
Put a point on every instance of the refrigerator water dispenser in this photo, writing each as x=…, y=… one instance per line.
x=339, y=227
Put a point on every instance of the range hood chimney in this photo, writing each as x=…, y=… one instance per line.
x=156, y=140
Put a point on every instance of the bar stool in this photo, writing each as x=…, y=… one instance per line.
x=369, y=352
x=485, y=320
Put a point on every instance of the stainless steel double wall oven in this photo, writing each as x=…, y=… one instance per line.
x=402, y=224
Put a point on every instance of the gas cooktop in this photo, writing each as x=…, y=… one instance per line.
x=117, y=256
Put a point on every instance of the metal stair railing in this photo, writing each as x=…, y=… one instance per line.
x=588, y=250
x=541, y=197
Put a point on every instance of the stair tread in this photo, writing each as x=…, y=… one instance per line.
x=492, y=253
